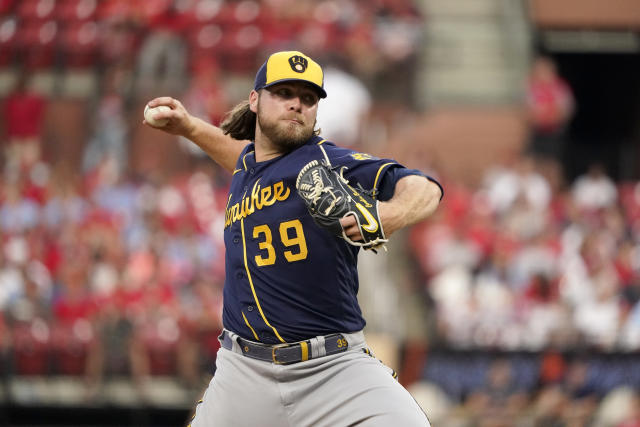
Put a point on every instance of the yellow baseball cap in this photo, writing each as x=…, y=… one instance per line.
x=290, y=66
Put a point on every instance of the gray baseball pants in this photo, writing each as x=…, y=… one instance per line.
x=352, y=388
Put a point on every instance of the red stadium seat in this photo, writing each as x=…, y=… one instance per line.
x=161, y=346
x=115, y=9
x=209, y=344
x=151, y=9
x=239, y=47
x=36, y=10
x=8, y=36
x=203, y=41
x=6, y=7
x=213, y=12
x=31, y=348
x=79, y=45
x=247, y=12
x=69, y=347
x=68, y=11
x=37, y=43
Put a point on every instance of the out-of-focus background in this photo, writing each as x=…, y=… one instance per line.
x=516, y=304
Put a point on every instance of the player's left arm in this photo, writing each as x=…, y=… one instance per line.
x=414, y=199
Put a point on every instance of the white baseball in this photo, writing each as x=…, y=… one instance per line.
x=149, y=112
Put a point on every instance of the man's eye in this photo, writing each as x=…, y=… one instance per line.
x=309, y=99
x=284, y=92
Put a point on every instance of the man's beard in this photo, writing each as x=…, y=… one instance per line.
x=285, y=136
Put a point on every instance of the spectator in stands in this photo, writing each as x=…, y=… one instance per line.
x=162, y=59
x=64, y=204
x=11, y=277
x=23, y=116
x=110, y=129
x=517, y=179
x=17, y=212
x=32, y=303
x=594, y=189
x=499, y=401
x=206, y=98
x=551, y=106
x=630, y=328
x=550, y=407
x=580, y=391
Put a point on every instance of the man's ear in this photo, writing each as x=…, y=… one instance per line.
x=253, y=101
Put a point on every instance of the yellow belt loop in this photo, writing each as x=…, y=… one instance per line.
x=305, y=350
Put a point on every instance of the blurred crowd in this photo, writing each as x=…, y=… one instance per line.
x=106, y=272
x=102, y=276
x=164, y=41
x=517, y=264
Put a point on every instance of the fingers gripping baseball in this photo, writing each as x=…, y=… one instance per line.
x=175, y=119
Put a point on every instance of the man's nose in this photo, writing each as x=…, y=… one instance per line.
x=295, y=104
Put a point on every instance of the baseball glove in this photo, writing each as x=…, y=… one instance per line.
x=329, y=197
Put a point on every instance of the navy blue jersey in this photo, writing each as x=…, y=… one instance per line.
x=287, y=279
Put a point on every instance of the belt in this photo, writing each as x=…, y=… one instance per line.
x=288, y=353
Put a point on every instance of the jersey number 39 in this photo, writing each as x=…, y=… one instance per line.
x=291, y=234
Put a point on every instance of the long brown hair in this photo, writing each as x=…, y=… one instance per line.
x=240, y=122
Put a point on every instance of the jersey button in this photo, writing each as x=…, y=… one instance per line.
x=250, y=308
x=236, y=240
x=251, y=171
x=245, y=187
x=239, y=275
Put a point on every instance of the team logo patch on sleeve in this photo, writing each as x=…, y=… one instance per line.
x=363, y=156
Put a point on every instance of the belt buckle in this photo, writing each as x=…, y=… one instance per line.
x=273, y=353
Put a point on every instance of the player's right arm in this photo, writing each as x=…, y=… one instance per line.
x=223, y=149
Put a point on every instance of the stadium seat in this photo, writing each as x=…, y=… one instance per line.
x=246, y=12
x=240, y=47
x=36, y=10
x=31, y=348
x=115, y=10
x=209, y=345
x=212, y=12
x=37, y=42
x=69, y=347
x=161, y=345
x=151, y=9
x=8, y=36
x=78, y=45
x=6, y=7
x=69, y=11
x=203, y=41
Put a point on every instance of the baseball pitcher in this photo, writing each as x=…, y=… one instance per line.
x=299, y=209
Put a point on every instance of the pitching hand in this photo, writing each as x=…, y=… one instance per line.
x=180, y=121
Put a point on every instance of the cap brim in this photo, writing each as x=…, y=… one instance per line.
x=321, y=92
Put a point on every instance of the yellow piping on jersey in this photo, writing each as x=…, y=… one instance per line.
x=324, y=153
x=320, y=142
x=253, y=290
x=375, y=182
x=236, y=171
x=243, y=160
x=252, y=330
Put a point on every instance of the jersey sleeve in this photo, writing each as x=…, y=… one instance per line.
x=372, y=173
x=393, y=175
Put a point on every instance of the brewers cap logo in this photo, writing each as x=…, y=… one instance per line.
x=298, y=63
